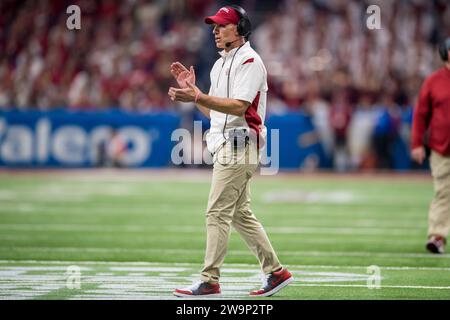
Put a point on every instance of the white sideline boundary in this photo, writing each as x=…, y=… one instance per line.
x=19, y=280
x=365, y=286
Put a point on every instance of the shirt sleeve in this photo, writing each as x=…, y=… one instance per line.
x=421, y=117
x=249, y=78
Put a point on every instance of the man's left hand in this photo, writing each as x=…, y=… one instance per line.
x=188, y=94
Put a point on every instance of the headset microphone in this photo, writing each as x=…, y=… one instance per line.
x=227, y=44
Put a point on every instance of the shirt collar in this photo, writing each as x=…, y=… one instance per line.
x=225, y=54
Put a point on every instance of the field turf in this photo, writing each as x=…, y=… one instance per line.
x=140, y=234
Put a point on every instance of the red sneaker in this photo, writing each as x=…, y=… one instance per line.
x=199, y=289
x=274, y=282
x=436, y=244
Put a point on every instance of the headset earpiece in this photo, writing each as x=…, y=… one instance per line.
x=444, y=47
x=244, y=27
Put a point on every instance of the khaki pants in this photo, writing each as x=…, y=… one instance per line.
x=229, y=204
x=439, y=215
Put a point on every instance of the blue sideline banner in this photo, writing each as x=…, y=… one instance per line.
x=299, y=144
x=78, y=139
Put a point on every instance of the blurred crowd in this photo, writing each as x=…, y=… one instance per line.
x=119, y=58
x=358, y=85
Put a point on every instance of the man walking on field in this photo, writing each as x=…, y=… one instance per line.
x=432, y=120
x=236, y=105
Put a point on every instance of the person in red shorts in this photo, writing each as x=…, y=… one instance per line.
x=431, y=127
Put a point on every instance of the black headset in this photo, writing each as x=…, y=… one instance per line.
x=244, y=27
x=443, y=49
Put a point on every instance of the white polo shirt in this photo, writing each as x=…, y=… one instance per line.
x=248, y=82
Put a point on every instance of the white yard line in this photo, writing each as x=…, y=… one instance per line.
x=320, y=230
x=305, y=240
x=197, y=229
x=144, y=264
x=336, y=254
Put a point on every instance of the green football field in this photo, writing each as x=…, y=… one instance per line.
x=140, y=234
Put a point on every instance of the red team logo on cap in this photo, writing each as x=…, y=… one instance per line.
x=225, y=15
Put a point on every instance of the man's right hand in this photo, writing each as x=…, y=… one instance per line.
x=182, y=74
x=418, y=154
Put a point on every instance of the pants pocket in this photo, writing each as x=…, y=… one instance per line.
x=440, y=166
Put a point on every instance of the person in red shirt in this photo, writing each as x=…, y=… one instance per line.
x=431, y=127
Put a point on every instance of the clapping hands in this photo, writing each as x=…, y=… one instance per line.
x=188, y=91
x=182, y=74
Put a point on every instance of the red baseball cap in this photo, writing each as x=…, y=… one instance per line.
x=225, y=15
